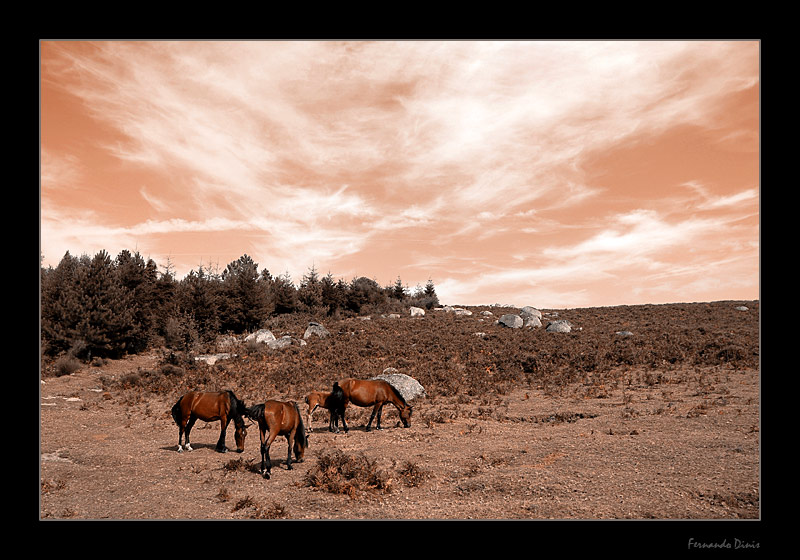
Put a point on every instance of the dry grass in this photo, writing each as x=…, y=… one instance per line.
x=351, y=474
x=442, y=352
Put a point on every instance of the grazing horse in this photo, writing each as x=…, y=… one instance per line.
x=375, y=393
x=333, y=401
x=209, y=407
x=276, y=418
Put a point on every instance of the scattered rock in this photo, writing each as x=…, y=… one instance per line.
x=281, y=342
x=406, y=385
x=212, y=359
x=417, y=312
x=529, y=311
x=532, y=322
x=559, y=326
x=624, y=333
x=262, y=336
x=511, y=321
x=742, y=308
x=315, y=329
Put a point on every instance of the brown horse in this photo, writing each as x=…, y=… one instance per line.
x=375, y=393
x=334, y=401
x=209, y=407
x=276, y=418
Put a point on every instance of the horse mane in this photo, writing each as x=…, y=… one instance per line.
x=255, y=412
x=397, y=393
x=238, y=407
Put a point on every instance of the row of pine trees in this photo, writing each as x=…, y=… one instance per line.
x=103, y=307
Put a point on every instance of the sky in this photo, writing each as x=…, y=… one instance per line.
x=556, y=174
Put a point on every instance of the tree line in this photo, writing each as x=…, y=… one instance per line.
x=103, y=307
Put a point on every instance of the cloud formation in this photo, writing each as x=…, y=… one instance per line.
x=471, y=163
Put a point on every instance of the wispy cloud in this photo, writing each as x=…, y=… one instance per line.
x=313, y=151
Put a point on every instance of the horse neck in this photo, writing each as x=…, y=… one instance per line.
x=396, y=400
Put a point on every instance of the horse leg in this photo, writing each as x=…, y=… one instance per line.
x=380, y=412
x=186, y=431
x=290, y=440
x=333, y=423
x=181, y=429
x=372, y=417
x=340, y=413
x=266, y=463
x=223, y=430
x=309, y=416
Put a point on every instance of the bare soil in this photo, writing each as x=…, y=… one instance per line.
x=684, y=447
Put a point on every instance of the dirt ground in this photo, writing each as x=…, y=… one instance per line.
x=688, y=449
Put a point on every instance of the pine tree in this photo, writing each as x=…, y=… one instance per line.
x=285, y=294
x=310, y=291
x=398, y=291
x=60, y=305
x=244, y=303
x=105, y=329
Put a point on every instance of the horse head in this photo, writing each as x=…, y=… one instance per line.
x=405, y=416
x=240, y=434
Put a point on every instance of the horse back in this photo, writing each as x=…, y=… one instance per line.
x=281, y=416
x=207, y=406
x=365, y=392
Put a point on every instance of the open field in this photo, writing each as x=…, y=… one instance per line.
x=516, y=424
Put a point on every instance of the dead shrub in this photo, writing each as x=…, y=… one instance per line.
x=67, y=365
x=341, y=473
x=413, y=475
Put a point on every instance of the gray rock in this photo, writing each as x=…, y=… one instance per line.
x=315, y=329
x=262, y=336
x=559, y=326
x=511, y=321
x=212, y=359
x=532, y=322
x=406, y=385
x=529, y=311
x=417, y=312
x=279, y=343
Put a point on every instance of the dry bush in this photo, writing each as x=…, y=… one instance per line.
x=66, y=365
x=413, y=475
x=341, y=473
x=443, y=353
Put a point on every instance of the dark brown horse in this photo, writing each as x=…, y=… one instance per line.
x=334, y=401
x=276, y=418
x=374, y=393
x=209, y=407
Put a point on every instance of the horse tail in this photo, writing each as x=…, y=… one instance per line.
x=301, y=429
x=176, y=411
x=254, y=412
x=337, y=398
